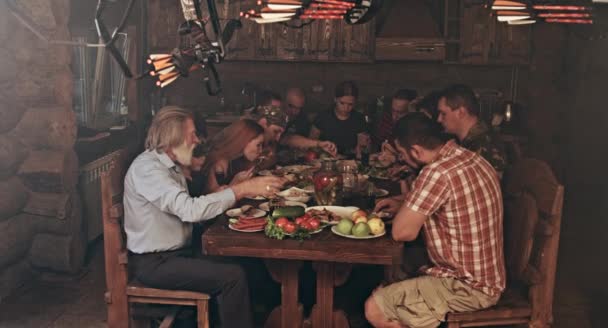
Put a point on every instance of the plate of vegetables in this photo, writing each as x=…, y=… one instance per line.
x=292, y=221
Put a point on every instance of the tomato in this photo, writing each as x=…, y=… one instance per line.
x=307, y=216
x=306, y=226
x=311, y=155
x=289, y=227
x=281, y=222
x=300, y=220
x=314, y=224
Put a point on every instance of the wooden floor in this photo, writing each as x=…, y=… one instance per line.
x=581, y=298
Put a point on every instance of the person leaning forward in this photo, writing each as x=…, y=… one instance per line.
x=456, y=201
x=159, y=216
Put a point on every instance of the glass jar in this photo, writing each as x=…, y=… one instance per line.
x=349, y=176
x=328, y=184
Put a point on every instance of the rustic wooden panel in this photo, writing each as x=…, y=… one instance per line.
x=475, y=36
x=242, y=45
x=164, y=18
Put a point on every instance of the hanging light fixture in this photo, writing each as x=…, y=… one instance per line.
x=510, y=15
x=508, y=5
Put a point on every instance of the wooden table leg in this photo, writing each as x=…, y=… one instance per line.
x=329, y=275
x=290, y=312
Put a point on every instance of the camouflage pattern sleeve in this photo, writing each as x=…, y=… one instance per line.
x=482, y=141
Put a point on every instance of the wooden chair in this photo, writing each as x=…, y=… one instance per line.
x=120, y=291
x=533, y=202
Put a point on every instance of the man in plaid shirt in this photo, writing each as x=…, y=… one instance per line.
x=456, y=201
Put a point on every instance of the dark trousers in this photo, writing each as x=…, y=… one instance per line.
x=223, y=278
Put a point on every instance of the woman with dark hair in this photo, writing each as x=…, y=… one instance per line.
x=232, y=154
x=342, y=124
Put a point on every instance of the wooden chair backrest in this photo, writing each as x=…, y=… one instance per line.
x=533, y=212
x=115, y=253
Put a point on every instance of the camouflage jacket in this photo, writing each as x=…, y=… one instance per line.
x=484, y=142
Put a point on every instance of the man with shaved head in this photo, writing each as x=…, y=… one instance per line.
x=299, y=125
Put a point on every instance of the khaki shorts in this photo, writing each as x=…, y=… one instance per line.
x=423, y=302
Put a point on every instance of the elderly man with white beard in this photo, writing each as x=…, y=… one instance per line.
x=159, y=217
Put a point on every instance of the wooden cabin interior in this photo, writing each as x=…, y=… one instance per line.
x=71, y=122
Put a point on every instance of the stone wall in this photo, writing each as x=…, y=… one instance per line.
x=41, y=225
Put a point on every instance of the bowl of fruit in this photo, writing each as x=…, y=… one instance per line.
x=360, y=225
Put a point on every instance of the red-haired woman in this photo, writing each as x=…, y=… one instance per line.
x=232, y=154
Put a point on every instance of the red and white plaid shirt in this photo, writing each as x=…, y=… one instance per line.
x=460, y=194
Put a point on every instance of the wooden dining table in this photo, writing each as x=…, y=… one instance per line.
x=332, y=257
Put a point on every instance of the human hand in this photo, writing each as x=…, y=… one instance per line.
x=390, y=205
x=260, y=186
x=329, y=147
x=242, y=176
x=363, y=140
x=388, y=148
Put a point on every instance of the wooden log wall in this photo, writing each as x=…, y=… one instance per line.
x=40, y=212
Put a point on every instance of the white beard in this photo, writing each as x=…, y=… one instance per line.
x=183, y=154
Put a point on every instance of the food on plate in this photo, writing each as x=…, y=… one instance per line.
x=247, y=223
x=301, y=227
x=324, y=215
x=281, y=222
x=294, y=193
x=288, y=211
x=357, y=214
x=345, y=226
x=376, y=226
x=289, y=227
x=361, y=229
x=378, y=173
x=247, y=210
x=360, y=219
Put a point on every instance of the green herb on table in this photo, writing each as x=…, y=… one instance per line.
x=272, y=231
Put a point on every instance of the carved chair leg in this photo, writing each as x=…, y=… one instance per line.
x=202, y=313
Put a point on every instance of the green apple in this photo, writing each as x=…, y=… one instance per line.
x=344, y=226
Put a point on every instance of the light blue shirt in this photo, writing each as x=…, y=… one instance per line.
x=159, y=212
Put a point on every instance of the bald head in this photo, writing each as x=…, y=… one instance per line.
x=295, y=99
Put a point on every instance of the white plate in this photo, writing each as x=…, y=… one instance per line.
x=311, y=232
x=342, y=211
x=256, y=198
x=242, y=230
x=265, y=173
x=236, y=212
x=265, y=207
x=334, y=229
x=303, y=197
x=380, y=192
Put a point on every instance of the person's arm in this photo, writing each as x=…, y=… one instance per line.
x=407, y=224
x=158, y=187
x=429, y=192
x=298, y=141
